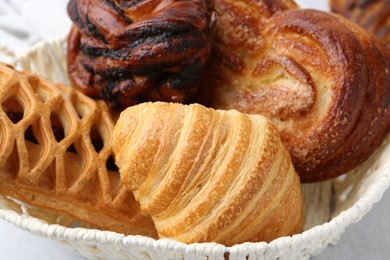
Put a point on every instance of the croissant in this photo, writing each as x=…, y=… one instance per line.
x=127, y=52
x=322, y=80
x=205, y=174
x=374, y=15
x=54, y=153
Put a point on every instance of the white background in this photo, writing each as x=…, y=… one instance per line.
x=24, y=22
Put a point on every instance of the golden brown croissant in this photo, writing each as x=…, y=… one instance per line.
x=55, y=148
x=130, y=51
x=204, y=174
x=374, y=15
x=322, y=80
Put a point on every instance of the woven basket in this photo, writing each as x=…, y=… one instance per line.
x=330, y=206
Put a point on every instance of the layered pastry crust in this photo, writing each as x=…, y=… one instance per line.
x=204, y=174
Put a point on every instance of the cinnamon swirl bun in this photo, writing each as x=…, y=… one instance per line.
x=322, y=80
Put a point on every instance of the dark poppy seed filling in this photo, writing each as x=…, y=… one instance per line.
x=131, y=51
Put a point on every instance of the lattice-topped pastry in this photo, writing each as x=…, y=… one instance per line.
x=56, y=153
x=322, y=80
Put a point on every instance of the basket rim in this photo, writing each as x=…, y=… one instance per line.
x=336, y=225
x=349, y=216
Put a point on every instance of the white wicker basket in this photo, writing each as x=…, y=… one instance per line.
x=329, y=206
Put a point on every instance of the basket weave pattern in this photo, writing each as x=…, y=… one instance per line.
x=351, y=197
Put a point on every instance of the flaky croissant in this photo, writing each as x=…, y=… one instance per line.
x=130, y=51
x=374, y=15
x=322, y=80
x=208, y=175
x=54, y=153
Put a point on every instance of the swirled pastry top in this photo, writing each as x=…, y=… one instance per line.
x=204, y=174
x=374, y=15
x=322, y=80
x=131, y=51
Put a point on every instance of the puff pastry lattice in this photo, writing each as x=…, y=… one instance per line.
x=55, y=151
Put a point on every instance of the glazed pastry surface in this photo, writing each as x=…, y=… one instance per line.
x=205, y=174
x=127, y=52
x=374, y=15
x=322, y=80
x=55, y=154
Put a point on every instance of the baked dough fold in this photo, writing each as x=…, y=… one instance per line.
x=204, y=175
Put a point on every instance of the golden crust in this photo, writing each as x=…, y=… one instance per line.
x=374, y=15
x=321, y=80
x=55, y=145
x=205, y=174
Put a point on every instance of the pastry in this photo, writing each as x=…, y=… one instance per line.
x=374, y=15
x=55, y=154
x=127, y=52
x=204, y=174
x=322, y=80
